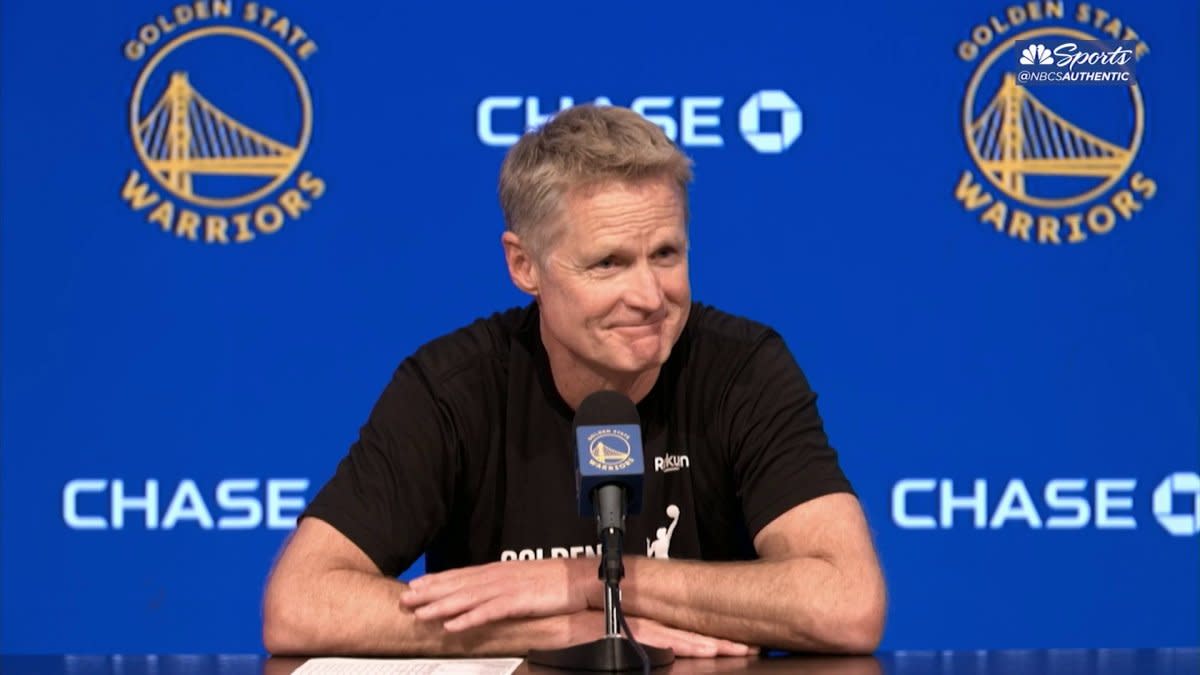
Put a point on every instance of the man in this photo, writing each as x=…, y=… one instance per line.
x=754, y=537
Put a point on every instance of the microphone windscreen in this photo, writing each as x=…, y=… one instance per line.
x=606, y=407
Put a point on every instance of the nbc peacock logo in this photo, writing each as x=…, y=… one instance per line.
x=1035, y=55
x=220, y=119
x=1050, y=164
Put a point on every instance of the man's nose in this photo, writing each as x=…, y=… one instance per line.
x=644, y=291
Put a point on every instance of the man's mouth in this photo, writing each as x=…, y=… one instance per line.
x=638, y=329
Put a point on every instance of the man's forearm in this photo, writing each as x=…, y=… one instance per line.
x=348, y=611
x=796, y=603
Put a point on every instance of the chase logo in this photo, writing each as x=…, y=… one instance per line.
x=1178, y=485
x=769, y=120
x=750, y=121
x=1059, y=504
x=609, y=450
x=1049, y=164
x=232, y=504
x=220, y=118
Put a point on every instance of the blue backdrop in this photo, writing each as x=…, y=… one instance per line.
x=225, y=223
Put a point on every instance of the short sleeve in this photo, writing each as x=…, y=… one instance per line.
x=390, y=495
x=780, y=454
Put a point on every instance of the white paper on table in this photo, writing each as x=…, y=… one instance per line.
x=345, y=666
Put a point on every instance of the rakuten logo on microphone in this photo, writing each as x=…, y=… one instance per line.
x=230, y=504
x=769, y=121
x=1058, y=504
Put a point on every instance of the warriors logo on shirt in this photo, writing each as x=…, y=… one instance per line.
x=609, y=450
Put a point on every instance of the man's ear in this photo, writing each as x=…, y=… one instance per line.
x=522, y=267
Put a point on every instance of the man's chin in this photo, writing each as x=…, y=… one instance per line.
x=638, y=362
x=633, y=357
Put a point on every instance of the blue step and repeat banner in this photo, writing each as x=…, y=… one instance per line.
x=224, y=224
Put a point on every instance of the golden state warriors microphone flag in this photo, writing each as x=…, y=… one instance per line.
x=223, y=224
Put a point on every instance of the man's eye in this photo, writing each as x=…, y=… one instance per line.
x=606, y=264
x=665, y=253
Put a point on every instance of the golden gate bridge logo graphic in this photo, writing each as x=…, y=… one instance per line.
x=1016, y=136
x=184, y=134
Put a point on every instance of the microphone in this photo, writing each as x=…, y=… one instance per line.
x=608, y=471
x=608, y=483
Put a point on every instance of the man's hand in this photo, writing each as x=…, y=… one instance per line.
x=473, y=596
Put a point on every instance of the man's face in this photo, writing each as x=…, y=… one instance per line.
x=614, y=291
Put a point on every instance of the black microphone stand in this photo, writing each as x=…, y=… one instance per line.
x=613, y=652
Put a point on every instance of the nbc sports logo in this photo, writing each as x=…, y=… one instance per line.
x=1036, y=55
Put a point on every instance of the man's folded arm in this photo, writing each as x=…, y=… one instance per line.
x=325, y=596
x=817, y=585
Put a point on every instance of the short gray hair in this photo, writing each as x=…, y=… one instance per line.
x=578, y=148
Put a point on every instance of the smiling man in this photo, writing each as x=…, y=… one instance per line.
x=753, y=535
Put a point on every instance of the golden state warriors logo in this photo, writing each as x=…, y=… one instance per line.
x=1051, y=163
x=220, y=118
x=609, y=450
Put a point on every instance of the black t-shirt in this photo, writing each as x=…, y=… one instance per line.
x=468, y=456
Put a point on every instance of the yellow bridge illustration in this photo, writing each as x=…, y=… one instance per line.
x=607, y=455
x=184, y=134
x=1017, y=135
